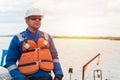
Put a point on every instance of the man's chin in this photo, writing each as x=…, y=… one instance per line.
x=37, y=27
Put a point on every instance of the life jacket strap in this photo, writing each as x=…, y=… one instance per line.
x=34, y=63
x=27, y=64
x=28, y=51
x=46, y=61
x=31, y=50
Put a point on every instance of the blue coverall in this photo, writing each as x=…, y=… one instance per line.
x=15, y=50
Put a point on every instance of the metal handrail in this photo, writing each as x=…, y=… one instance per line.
x=84, y=66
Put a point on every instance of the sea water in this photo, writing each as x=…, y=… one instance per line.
x=74, y=53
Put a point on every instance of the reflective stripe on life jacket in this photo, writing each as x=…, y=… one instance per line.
x=35, y=56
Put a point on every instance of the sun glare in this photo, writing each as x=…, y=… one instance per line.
x=44, y=4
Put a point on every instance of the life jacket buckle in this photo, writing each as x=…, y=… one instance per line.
x=37, y=62
x=36, y=49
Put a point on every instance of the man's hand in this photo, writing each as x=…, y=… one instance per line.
x=58, y=77
x=27, y=77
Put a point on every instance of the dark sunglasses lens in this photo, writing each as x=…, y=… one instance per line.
x=35, y=18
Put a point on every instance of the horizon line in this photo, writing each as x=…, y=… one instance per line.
x=77, y=37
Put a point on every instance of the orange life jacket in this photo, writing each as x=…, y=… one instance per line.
x=35, y=56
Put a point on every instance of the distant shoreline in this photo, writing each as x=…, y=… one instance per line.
x=78, y=37
x=88, y=37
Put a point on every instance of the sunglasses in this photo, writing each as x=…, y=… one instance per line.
x=34, y=18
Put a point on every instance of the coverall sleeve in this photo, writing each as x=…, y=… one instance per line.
x=57, y=66
x=11, y=59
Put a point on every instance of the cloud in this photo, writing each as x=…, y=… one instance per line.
x=13, y=5
x=12, y=11
x=77, y=15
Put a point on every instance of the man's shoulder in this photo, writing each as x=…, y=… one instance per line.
x=20, y=36
x=46, y=35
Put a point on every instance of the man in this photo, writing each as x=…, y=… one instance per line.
x=33, y=51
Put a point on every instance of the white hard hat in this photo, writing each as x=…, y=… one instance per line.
x=33, y=11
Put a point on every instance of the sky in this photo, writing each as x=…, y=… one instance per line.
x=64, y=17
